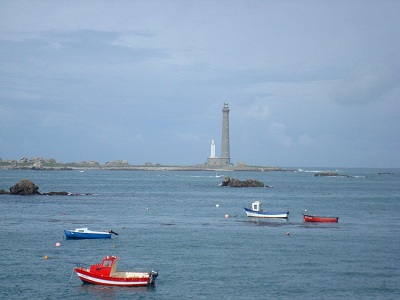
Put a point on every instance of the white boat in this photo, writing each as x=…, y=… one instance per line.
x=257, y=212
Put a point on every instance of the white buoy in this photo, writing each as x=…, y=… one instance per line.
x=217, y=205
x=58, y=244
x=227, y=216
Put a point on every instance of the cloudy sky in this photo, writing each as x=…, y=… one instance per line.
x=309, y=83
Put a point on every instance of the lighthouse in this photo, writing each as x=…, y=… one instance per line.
x=225, y=158
x=225, y=151
x=212, y=155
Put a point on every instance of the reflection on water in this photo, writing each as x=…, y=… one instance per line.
x=94, y=291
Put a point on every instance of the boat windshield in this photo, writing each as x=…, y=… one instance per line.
x=107, y=263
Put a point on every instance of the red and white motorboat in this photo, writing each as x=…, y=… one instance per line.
x=106, y=273
x=309, y=218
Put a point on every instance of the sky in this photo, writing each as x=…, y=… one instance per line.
x=308, y=83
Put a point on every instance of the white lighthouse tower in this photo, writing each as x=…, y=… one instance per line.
x=212, y=155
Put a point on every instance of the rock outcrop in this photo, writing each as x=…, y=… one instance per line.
x=57, y=193
x=24, y=187
x=27, y=187
x=238, y=183
x=330, y=174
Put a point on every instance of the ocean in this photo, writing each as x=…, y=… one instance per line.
x=195, y=233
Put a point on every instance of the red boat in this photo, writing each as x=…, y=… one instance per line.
x=106, y=273
x=308, y=218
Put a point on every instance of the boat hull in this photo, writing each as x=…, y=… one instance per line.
x=266, y=214
x=143, y=279
x=74, y=235
x=308, y=218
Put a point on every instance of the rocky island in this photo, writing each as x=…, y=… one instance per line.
x=50, y=164
x=26, y=187
x=238, y=183
x=329, y=174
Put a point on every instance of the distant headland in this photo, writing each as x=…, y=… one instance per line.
x=39, y=163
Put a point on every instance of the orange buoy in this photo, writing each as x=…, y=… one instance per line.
x=46, y=257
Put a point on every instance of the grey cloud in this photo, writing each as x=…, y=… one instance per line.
x=367, y=83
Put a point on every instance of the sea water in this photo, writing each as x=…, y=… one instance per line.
x=195, y=233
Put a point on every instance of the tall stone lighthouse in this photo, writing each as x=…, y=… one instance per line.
x=225, y=152
x=225, y=158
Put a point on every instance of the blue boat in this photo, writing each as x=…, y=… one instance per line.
x=85, y=233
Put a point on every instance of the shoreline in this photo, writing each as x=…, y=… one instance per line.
x=71, y=167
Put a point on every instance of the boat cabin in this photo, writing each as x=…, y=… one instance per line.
x=107, y=267
x=256, y=205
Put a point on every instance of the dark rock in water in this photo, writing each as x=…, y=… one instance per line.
x=327, y=173
x=57, y=193
x=330, y=174
x=227, y=181
x=27, y=187
x=24, y=187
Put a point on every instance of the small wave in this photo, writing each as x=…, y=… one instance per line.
x=307, y=171
x=203, y=176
